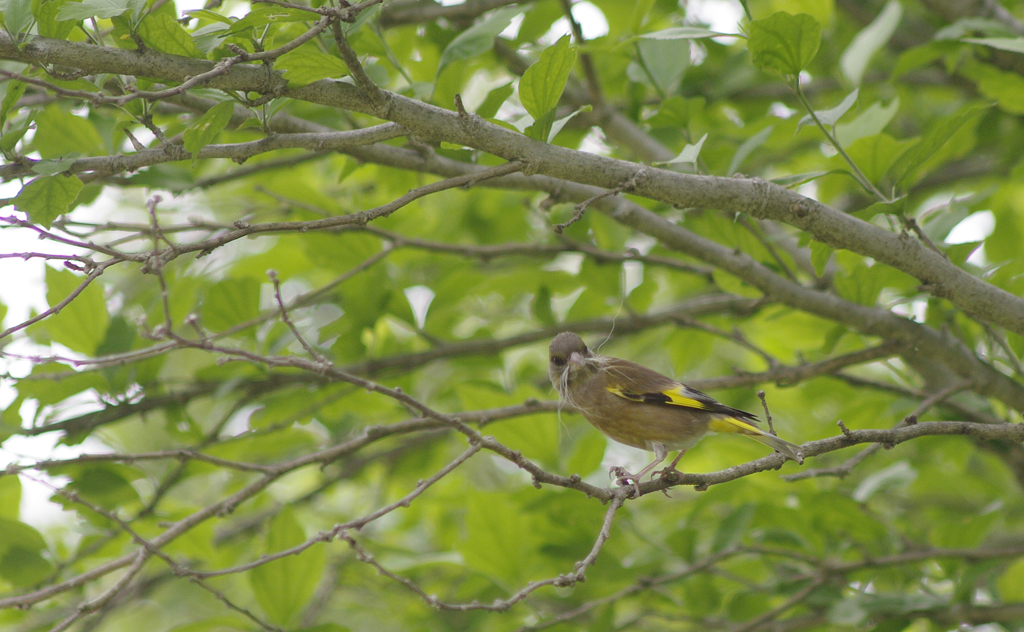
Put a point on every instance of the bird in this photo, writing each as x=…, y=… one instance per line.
x=642, y=408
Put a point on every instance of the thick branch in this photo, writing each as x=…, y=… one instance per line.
x=755, y=197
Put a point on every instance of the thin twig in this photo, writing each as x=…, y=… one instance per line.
x=844, y=469
x=313, y=353
x=580, y=209
x=593, y=82
x=501, y=605
x=342, y=529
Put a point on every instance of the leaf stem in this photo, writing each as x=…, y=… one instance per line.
x=858, y=175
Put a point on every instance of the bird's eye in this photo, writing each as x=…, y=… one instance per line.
x=558, y=361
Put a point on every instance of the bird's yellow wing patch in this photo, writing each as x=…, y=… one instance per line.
x=731, y=424
x=678, y=396
x=682, y=396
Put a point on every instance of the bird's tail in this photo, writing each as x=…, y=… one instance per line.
x=733, y=425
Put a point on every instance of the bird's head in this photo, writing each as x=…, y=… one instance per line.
x=569, y=360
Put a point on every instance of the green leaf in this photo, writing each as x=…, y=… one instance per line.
x=1012, y=44
x=1006, y=88
x=898, y=474
x=477, y=39
x=829, y=117
x=863, y=283
x=847, y=612
x=689, y=154
x=51, y=383
x=209, y=37
x=163, y=33
x=748, y=148
x=971, y=25
x=701, y=597
x=784, y=43
x=92, y=9
x=265, y=15
x=119, y=338
x=15, y=90
x=542, y=306
x=46, y=18
x=21, y=535
x=869, y=40
x=558, y=124
x=492, y=529
x=541, y=86
x=745, y=606
x=306, y=64
x=875, y=155
x=959, y=253
x=677, y=113
x=942, y=220
x=732, y=528
x=9, y=139
x=48, y=197
x=868, y=123
x=918, y=57
x=17, y=15
x=495, y=98
x=203, y=131
x=53, y=167
x=911, y=160
x=230, y=302
x=60, y=131
x=820, y=254
x=20, y=561
x=802, y=178
x=283, y=587
x=681, y=32
x=683, y=542
x=541, y=128
x=587, y=452
x=10, y=497
x=665, y=61
x=329, y=627
x=82, y=324
x=1011, y=583
x=369, y=14
x=210, y=16
x=108, y=485
x=965, y=531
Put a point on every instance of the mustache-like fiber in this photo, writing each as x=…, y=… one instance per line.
x=565, y=393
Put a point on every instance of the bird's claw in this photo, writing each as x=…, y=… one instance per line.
x=623, y=478
x=668, y=471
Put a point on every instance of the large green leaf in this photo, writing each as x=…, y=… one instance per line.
x=306, y=64
x=230, y=302
x=477, y=39
x=284, y=586
x=92, y=9
x=48, y=197
x=20, y=561
x=784, y=43
x=80, y=325
x=542, y=84
x=163, y=33
x=203, y=131
x=917, y=154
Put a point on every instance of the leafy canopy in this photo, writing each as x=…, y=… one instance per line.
x=301, y=263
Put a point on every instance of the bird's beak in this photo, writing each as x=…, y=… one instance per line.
x=576, y=358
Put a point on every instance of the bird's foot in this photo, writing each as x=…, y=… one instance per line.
x=670, y=473
x=623, y=478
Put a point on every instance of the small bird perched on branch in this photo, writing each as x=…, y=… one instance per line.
x=644, y=409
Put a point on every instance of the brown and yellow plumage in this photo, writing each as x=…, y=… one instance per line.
x=642, y=408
